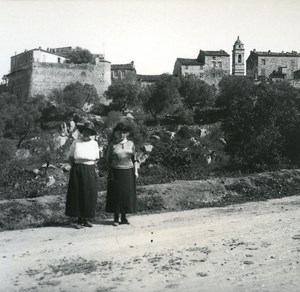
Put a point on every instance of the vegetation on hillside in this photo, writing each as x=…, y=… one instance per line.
x=249, y=127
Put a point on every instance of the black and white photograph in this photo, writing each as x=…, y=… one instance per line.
x=149, y=146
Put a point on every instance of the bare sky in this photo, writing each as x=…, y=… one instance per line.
x=152, y=33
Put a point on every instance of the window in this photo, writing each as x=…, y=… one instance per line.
x=214, y=57
x=214, y=64
x=122, y=74
x=201, y=75
x=263, y=61
x=263, y=72
x=58, y=60
x=239, y=58
x=219, y=75
x=293, y=63
x=214, y=75
x=114, y=74
x=220, y=64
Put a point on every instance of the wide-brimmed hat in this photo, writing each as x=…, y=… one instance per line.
x=89, y=127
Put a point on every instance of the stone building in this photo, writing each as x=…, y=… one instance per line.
x=39, y=72
x=146, y=80
x=19, y=61
x=272, y=65
x=297, y=75
x=123, y=72
x=209, y=66
x=238, y=58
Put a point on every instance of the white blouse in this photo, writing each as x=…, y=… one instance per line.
x=84, y=152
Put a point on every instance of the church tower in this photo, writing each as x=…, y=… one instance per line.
x=238, y=58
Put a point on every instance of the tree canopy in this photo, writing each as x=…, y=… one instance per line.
x=123, y=96
x=80, y=56
x=260, y=122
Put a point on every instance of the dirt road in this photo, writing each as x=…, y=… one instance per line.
x=249, y=247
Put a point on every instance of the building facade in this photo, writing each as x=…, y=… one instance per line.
x=24, y=59
x=272, y=65
x=238, y=58
x=123, y=72
x=209, y=66
x=146, y=80
x=40, y=72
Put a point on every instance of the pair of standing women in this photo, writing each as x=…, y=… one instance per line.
x=121, y=187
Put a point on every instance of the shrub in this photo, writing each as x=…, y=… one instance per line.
x=7, y=149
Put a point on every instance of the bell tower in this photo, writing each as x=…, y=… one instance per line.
x=238, y=58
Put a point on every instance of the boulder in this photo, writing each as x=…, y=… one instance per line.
x=22, y=154
x=59, y=141
x=51, y=181
x=148, y=148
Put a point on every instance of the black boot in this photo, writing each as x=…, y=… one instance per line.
x=86, y=223
x=78, y=224
x=124, y=220
x=116, y=219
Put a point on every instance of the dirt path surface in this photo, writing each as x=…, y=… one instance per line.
x=248, y=247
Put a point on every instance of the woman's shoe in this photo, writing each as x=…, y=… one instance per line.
x=78, y=226
x=124, y=220
x=87, y=224
x=116, y=219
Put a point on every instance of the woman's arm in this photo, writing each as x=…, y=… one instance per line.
x=71, y=153
x=135, y=162
x=108, y=154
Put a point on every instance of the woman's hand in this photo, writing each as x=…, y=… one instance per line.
x=136, y=173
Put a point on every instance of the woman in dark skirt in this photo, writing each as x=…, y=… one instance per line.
x=82, y=188
x=121, y=187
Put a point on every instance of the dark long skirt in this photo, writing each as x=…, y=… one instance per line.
x=121, y=191
x=82, y=191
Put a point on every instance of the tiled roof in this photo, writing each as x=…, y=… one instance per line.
x=269, y=53
x=214, y=53
x=190, y=62
x=148, y=78
x=129, y=66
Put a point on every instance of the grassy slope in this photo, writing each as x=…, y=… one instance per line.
x=176, y=196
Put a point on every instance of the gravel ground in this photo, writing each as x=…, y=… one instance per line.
x=244, y=247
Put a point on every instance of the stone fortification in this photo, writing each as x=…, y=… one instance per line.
x=42, y=78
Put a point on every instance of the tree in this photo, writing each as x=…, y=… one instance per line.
x=19, y=118
x=196, y=93
x=233, y=87
x=162, y=97
x=80, y=56
x=75, y=95
x=260, y=123
x=123, y=96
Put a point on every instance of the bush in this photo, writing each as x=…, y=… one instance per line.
x=7, y=149
x=177, y=156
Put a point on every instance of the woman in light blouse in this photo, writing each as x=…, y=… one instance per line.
x=82, y=188
x=121, y=185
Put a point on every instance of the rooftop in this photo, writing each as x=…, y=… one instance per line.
x=214, y=53
x=269, y=53
x=129, y=66
x=189, y=62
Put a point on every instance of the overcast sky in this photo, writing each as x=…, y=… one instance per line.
x=152, y=33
